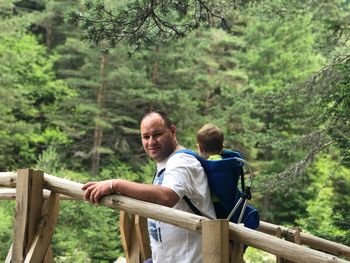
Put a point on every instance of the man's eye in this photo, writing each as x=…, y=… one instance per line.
x=145, y=137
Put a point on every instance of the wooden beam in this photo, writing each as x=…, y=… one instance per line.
x=215, y=241
x=308, y=239
x=9, y=255
x=280, y=247
x=8, y=179
x=44, y=231
x=63, y=186
x=7, y=194
x=143, y=237
x=10, y=194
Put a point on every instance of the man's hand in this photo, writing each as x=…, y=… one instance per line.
x=95, y=190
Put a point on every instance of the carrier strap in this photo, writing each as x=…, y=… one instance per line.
x=192, y=206
x=242, y=179
x=158, y=174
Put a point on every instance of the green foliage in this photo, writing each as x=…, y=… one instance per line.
x=253, y=255
x=49, y=161
x=7, y=209
x=334, y=104
x=278, y=54
x=94, y=240
x=327, y=212
x=341, y=207
x=285, y=56
x=30, y=97
x=121, y=170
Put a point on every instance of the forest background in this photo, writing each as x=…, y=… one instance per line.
x=274, y=75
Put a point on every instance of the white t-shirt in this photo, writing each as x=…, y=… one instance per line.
x=185, y=176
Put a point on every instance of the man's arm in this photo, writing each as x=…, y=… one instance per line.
x=150, y=193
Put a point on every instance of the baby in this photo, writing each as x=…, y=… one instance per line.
x=210, y=142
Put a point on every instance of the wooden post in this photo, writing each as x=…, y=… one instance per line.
x=48, y=256
x=43, y=235
x=293, y=235
x=142, y=237
x=29, y=200
x=236, y=251
x=297, y=237
x=129, y=237
x=215, y=241
x=279, y=235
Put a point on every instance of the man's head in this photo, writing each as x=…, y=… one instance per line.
x=210, y=140
x=158, y=136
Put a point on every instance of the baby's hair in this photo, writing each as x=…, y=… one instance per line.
x=210, y=138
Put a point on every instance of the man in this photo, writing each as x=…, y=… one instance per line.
x=178, y=175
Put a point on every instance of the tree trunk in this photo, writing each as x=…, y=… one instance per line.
x=100, y=95
x=48, y=40
x=265, y=206
x=155, y=68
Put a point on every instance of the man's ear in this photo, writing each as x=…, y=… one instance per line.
x=173, y=129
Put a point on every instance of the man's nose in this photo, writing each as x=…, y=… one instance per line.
x=152, y=140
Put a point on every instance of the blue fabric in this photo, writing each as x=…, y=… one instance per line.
x=223, y=176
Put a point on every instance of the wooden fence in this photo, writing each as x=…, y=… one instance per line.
x=38, y=195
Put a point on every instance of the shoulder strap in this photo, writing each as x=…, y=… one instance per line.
x=158, y=174
x=192, y=206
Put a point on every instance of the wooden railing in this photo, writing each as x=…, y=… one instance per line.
x=37, y=204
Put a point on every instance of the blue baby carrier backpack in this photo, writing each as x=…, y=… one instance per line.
x=223, y=176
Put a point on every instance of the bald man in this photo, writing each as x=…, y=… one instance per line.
x=178, y=175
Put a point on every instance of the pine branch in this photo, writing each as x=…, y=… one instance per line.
x=153, y=20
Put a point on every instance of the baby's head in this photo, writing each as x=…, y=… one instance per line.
x=210, y=140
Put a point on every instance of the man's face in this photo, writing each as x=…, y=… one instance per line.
x=158, y=140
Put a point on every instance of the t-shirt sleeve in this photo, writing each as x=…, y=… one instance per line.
x=179, y=173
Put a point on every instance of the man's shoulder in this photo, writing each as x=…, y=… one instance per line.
x=183, y=158
x=184, y=164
